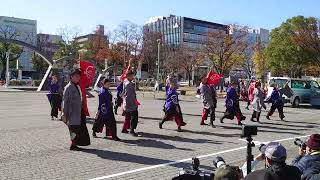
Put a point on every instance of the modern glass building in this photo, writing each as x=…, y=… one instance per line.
x=189, y=32
x=178, y=30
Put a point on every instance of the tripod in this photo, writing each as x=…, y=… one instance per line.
x=250, y=144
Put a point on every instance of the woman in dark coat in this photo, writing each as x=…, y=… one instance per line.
x=54, y=96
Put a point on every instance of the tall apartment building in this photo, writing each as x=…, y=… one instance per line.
x=48, y=43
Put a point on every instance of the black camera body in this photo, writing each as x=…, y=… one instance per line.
x=194, y=173
x=300, y=143
x=248, y=131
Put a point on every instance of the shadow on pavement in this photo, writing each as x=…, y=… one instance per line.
x=291, y=125
x=261, y=129
x=178, y=138
x=153, y=144
x=125, y=157
x=212, y=134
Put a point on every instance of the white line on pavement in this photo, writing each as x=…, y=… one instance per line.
x=184, y=160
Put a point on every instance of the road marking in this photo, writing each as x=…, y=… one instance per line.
x=184, y=160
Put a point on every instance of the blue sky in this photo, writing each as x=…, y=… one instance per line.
x=86, y=14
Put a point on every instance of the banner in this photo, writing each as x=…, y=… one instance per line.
x=88, y=72
x=214, y=78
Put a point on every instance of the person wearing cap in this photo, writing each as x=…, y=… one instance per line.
x=73, y=112
x=275, y=156
x=309, y=158
x=232, y=105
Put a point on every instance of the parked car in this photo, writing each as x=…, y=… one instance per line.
x=304, y=90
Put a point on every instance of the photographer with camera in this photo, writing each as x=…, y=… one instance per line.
x=225, y=171
x=308, y=160
x=274, y=155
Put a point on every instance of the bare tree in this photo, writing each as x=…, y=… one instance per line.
x=126, y=34
x=150, y=49
x=184, y=59
x=69, y=47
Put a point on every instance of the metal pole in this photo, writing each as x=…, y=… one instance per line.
x=7, y=70
x=158, y=72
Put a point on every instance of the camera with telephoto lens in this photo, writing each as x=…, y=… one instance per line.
x=219, y=162
x=300, y=143
x=194, y=173
x=248, y=131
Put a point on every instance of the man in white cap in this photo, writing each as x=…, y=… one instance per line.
x=275, y=156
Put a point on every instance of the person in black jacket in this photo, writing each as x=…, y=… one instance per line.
x=275, y=156
x=311, y=174
x=309, y=157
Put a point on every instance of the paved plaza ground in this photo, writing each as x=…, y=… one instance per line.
x=32, y=146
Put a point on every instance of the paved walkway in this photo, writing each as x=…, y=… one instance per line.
x=35, y=147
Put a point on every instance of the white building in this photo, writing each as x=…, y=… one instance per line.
x=24, y=30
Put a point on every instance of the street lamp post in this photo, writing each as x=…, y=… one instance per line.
x=7, y=70
x=158, y=72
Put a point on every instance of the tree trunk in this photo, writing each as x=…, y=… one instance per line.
x=189, y=76
x=3, y=73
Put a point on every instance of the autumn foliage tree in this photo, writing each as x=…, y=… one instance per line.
x=260, y=61
x=225, y=50
x=305, y=33
x=96, y=50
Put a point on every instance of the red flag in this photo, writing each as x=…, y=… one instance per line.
x=124, y=72
x=214, y=78
x=88, y=72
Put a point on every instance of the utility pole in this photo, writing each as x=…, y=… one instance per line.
x=7, y=66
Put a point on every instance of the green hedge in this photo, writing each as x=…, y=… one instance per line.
x=17, y=83
x=36, y=83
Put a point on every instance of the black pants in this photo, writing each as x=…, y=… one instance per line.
x=133, y=117
x=279, y=107
x=118, y=103
x=79, y=133
x=256, y=115
x=248, y=103
x=55, y=105
x=205, y=113
x=108, y=122
x=172, y=113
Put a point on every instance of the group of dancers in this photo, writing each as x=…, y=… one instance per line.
x=74, y=116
